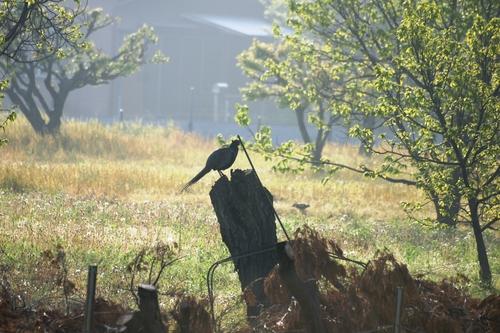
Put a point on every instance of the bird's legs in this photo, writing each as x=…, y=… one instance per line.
x=221, y=173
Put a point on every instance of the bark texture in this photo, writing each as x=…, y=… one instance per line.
x=148, y=318
x=248, y=228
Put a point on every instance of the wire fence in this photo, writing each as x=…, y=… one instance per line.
x=395, y=328
x=91, y=289
x=211, y=271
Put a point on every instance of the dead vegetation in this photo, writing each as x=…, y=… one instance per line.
x=355, y=297
x=358, y=299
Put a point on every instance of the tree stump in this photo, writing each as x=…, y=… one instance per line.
x=182, y=317
x=148, y=318
x=247, y=225
x=305, y=292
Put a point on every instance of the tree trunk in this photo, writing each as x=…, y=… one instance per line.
x=324, y=132
x=33, y=103
x=28, y=108
x=321, y=139
x=300, y=114
x=59, y=99
x=450, y=218
x=55, y=118
x=247, y=226
x=482, y=254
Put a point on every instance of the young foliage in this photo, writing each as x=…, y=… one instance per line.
x=10, y=118
x=34, y=30
x=82, y=65
x=429, y=73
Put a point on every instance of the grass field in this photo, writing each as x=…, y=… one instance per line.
x=99, y=195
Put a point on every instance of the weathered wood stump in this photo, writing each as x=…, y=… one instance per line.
x=247, y=225
x=148, y=318
x=182, y=317
x=305, y=292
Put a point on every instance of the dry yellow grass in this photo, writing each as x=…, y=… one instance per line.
x=106, y=191
x=135, y=163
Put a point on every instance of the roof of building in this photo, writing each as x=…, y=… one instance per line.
x=234, y=24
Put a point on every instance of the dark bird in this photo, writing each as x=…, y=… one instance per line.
x=300, y=206
x=219, y=160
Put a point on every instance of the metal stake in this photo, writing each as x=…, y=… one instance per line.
x=399, y=301
x=89, y=305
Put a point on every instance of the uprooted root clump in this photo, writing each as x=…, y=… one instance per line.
x=362, y=299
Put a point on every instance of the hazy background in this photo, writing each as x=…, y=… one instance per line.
x=199, y=86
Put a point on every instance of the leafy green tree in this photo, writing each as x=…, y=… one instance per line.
x=259, y=62
x=441, y=102
x=430, y=71
x=35, y=30
x=81, y=65
x=279, y=73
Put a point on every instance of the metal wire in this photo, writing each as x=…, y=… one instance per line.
x=211, y=271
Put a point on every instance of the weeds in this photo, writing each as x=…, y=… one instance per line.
x=151, y=261
x=106, y=193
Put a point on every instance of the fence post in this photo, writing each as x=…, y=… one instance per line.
x=89, y=305
x=399, y=301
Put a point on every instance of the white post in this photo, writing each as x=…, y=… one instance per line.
x=226, y=111
x=216, y=90
x=216, y=106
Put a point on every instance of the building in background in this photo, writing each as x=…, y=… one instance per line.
x=201, y=38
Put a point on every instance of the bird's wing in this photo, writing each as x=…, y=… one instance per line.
x=213, y=159
x=220, y=158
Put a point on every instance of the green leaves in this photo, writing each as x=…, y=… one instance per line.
x=241, y=116
x=427, y=71
x=4, y=84
x=76, y=65
x=35, y=30
x=10, y=118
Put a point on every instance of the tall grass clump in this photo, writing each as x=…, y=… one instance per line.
x=80, y=140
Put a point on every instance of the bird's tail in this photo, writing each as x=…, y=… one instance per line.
x=196, y=178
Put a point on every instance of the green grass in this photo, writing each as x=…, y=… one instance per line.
x=100, y=194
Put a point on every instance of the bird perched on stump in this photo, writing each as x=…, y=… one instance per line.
x=219, y=160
